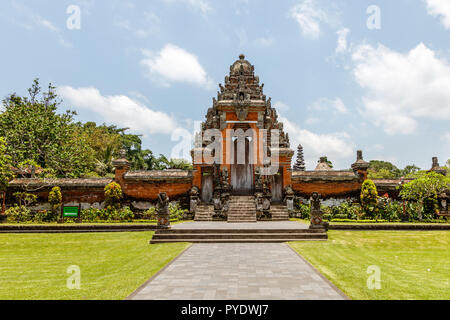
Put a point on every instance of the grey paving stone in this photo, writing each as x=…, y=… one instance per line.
x=242, y=271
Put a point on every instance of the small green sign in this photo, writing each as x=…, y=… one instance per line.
x=70, y=212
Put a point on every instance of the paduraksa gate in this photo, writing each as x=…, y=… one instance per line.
x=242, y=156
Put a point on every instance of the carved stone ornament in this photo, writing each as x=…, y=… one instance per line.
x=162, y=209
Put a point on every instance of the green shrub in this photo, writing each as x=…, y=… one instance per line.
x=304, y=211
x=91, y=214
x=18, y=214
x=369, y=198
x=25, y=199
x=430, y=206
x=176, y=212
x=149, y=214
x=55, y=196
x=413, y=210
x=359, y=221
x=113, y=195
x=125, y=214
x=45, y=216
x=327, y=217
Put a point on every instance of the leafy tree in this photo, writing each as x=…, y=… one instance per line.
x=427, y=186
x=383, y=170
x=35, y=132
x=410, y=171
x=140, y=159
x=6, y=173
x=105, y=141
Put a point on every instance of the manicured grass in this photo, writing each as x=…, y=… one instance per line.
x=112, y=265
x=413, y=264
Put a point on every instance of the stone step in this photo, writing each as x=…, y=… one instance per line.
x=232, y=231
x=240, y=236
x=231, y=240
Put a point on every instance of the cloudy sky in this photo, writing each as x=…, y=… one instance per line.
x=344, y=75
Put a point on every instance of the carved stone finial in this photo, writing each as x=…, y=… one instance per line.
x=359, y=155
x=242, y=57
x=435, y=162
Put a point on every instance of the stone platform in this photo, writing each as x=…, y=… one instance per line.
x=223, y=232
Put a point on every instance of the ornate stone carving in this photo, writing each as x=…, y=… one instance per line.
x=221, y=205
x=162, y=209
x=289, y=198
x=258, y=180
x=194, y=195
x=316, y=213
x=262, y=203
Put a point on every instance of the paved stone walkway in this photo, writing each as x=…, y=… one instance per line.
x=241, y=271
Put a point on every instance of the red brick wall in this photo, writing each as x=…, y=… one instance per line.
x=327, y=188
x=140, y=190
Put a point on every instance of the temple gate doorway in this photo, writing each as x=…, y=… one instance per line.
x=242, y=168
x=207, y=185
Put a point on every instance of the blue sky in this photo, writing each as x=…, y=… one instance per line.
x=154, y=66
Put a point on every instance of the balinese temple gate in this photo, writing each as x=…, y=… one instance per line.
x=242, y=156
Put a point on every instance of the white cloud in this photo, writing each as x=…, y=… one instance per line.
x=120, y=110
x=336, y=146
x=402, y=88
x=174, y=64
x=31, y=20
x=440, y=8
x=311, y=16
x=308, y=18
x=342, y=40
x=203, y=5
x=324, y=104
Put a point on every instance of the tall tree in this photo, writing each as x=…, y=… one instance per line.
x=383, y=170
x=6, y=173
x=34, y=131
x=300, y=163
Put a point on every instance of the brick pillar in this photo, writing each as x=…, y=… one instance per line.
x=121, y=165
x=360, y=167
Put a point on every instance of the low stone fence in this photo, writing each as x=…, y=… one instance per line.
x=419, y=226
x=77, y=228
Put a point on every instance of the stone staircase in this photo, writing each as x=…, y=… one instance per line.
x=204, y=212
x=237, y=235
x=242, y=209
x=279, y=212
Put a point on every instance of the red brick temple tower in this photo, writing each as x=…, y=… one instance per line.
x=237, y=133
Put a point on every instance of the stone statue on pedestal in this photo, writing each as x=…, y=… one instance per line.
x=162, y=209
x=316, y=214
x=289, y=199
x=194, y=201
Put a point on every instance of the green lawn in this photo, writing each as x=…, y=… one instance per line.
x=112, y=265
x=413, y=264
